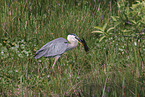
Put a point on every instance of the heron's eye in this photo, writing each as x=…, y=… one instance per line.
x=76, y=37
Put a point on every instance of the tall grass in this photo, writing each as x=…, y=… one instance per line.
x=112, y=68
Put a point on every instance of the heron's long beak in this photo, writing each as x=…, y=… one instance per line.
x=83, y=43
x=79, y=41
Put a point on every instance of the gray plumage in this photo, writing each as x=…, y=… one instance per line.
x=52, y=48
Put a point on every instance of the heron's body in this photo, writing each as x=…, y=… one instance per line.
x=57, y=47
x=52, y=48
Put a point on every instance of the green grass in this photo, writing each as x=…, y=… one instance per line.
x=113, y=67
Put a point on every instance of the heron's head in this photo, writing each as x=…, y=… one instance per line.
x=74, y=38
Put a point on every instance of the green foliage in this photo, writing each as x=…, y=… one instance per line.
x=18, y=48
x=113, y=67
x=129, y=21
x=103, y=31
x=130, y=18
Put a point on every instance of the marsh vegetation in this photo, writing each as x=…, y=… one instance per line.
x=113, y=30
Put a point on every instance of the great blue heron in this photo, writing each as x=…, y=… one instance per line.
x=57, y=47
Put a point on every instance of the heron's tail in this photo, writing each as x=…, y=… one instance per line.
x=39, y=54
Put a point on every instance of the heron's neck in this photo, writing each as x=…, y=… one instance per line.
x=72, y=45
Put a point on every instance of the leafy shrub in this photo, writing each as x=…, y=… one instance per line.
x=130, y=22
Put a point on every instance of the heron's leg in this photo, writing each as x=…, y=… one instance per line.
x=56, y=58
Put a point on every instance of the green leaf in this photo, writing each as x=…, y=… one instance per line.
x=134, y=6
x=110, y=29
x=118, y=5
x=4, y=49
x=117, y=23
x=98, y=32
x=102, y=38
x=114, y=18
x=100, y=28
x=126, y=31
x=143, y=20
x=138, y=25
x=133, y=21
x=104, y=27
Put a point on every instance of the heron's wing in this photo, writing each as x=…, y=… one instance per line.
x=53, y=48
